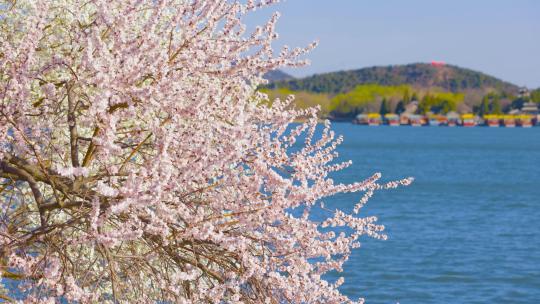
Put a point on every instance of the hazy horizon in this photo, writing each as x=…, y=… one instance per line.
x=499, y=38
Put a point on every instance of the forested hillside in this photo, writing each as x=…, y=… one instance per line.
x=423, y=75
x=277, y=75
x=437, y=88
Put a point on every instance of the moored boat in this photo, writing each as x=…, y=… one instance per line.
x=374, y=119
x=392, y=119
x=525, y=121
x=509, y=121
x=453, y=119
x=468, y=120
x=416, y=120
x=492, y=120
x=443, y=121
x=434, y=122
x=437, y=120
x=360, y=119
x=404, y=119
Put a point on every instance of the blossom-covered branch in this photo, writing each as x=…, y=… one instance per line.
x=138, y=163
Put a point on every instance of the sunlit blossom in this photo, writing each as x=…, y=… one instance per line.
x=138, y=163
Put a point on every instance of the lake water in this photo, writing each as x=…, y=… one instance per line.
x=466, y=231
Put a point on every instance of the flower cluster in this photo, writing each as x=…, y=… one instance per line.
x=138, y=163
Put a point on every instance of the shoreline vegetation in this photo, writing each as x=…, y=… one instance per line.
x=418, y=94
x=466, y=120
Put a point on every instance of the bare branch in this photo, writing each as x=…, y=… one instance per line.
x=4, y=167
x=72, y=123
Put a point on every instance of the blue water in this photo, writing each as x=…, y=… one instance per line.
x=466, y=231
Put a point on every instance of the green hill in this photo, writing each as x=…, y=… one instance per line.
x=277, y=75
x=419, y=75
x=437, y=88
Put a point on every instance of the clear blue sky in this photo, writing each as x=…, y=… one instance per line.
x=497, y=37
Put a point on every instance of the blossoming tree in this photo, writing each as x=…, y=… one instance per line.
x=138, y=163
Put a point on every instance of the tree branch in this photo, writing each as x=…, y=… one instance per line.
x=72, y=123
x=66, y=186
x=4, y=167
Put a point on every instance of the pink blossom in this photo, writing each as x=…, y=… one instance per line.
x=150, y=169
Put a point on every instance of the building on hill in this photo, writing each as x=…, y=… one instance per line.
x=529, y=108
x=514, y=112
x=411, y=107
x=524, y=93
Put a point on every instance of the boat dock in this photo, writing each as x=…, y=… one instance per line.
x=452, y=119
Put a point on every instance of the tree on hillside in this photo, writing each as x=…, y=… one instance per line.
x=424, y=105
x=446, y=106
x=400, y=107
x=414, y=97
x=484, y=106
x=496, y=106
x=406, y=97
x=138, y=163
x=385, y=108
x=518, y=103
x=535, y=96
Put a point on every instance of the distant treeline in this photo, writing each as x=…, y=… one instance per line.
x=372, y=98
x=391, y=99
x=395, y=99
